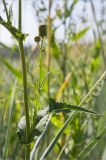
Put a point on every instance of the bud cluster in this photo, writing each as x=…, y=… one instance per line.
x=42, y=33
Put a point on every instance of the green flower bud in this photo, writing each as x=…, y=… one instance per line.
x=42, y=31
x=37, y=39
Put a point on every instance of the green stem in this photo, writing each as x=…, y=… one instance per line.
x=40, y=65
x=5, y=7
x=27, y=153
x=49, y=47
x=25, y=99
x=19, y=14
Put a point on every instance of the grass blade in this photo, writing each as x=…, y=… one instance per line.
x=38, y=140
x=51, y=145
x=62, y=150
x=92, y=143
x=9, y=122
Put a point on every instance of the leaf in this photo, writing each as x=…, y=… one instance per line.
x=21, y=130
x=32, y=155
x=42, y=123
x=80, y=34
x=41, y=113
x=12, y=68
x=55, y=139
x=69, y=120
x=64, y=107
x=70, y=10
x=14, y=31
x=37, y=126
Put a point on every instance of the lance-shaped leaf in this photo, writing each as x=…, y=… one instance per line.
x=80, y=34
x=64, y=107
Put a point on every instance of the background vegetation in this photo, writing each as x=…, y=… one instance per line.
x=66, y=70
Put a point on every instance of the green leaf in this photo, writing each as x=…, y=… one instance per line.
x=69, y=120
x=38, y=125
x=55, y=139
x=32, y=155
x=64, y=107
x=41, y=124
x=14, y=31
x=80, y=34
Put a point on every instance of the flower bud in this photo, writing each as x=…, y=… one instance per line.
x=42, y=31
x=37, y=39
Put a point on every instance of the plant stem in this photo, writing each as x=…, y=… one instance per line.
x=40, y=65
x=25, y=99
x=27, y=153
x=5, y=7
x=19, y=14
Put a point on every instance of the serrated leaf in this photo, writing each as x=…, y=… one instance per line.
x=73, y=114
x=64, y=107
